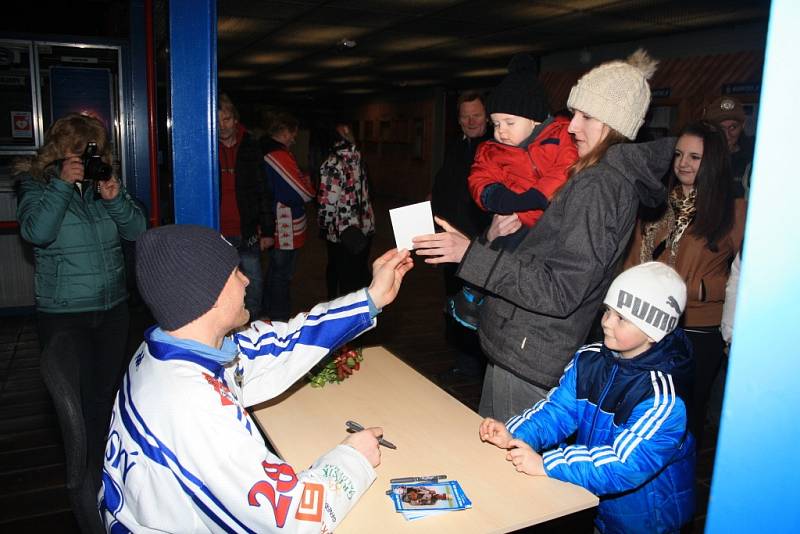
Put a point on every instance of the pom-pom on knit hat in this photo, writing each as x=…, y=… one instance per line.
x=616, y=93
x=520, y=92
x=652, y=296
x=181, y=270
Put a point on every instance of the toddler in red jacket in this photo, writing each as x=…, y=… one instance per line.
x=522, y=169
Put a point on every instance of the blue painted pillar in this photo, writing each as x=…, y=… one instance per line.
x=193, y=89
x=756, y=481
x=138, y=172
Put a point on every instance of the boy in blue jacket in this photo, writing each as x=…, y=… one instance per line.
x=625, y=400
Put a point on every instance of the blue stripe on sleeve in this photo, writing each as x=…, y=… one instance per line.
x=160, y=455
x=328, y=333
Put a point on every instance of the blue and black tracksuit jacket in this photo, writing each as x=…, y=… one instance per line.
x=631, y=447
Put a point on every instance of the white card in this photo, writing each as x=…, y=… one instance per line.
x=409, y=222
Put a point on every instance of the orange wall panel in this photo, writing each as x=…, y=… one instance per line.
x=396, y=141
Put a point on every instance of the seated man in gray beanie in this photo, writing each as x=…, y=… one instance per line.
x=182, y=453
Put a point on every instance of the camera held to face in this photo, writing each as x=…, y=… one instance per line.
x=94, y=168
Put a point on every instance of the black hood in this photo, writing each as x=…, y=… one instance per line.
x=617, y=385
x=644, y=165
x=672, y=352
x=671, y=355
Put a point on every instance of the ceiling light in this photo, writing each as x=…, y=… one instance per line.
x=235, y=73
x=342, y=62
x=400, y=67
x=483, y=72
x=269, y=58
x=492, y=50
x=291, y=76
x=309, y=35
x=228, y=27
x=347, y=43
x=406, y=44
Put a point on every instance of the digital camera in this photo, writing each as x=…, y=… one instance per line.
x=94, y=168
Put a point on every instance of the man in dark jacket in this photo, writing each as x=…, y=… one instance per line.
x=728, y=113
x=450, y=200
x=245, y=205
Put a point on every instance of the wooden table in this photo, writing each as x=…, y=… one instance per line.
x=434, y=434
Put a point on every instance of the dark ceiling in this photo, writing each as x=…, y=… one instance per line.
x=296, y=48
x=293, y=49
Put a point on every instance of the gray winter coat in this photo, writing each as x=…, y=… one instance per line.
x=544, y=295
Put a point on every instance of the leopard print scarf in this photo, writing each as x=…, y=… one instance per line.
x=675, y=219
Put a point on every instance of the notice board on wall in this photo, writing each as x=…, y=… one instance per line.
x=81, y=90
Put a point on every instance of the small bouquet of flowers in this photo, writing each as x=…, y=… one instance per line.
x=339, y=364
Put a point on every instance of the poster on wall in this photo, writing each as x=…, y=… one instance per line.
x=81, y=90
x=21, y=125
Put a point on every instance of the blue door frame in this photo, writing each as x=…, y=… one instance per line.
x=193, y=90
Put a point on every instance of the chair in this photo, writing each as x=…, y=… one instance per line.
x=60, y=367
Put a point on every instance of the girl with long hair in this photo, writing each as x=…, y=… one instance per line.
x=698, y=232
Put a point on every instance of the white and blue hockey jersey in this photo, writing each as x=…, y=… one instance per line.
x=183, y=455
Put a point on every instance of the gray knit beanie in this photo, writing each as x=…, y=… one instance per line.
x=181, y=270
x=616, y=93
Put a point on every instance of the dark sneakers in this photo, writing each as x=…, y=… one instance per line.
x=465, y=307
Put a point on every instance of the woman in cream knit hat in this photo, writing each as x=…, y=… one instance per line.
x=543, y=297
x=609, y=104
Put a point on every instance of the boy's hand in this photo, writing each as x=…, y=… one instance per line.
x=525, y=459
x=387, y=275
x=495, y=432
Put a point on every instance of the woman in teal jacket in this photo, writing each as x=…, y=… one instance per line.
x=75, y=226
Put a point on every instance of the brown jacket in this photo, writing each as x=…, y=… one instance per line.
x=705, y=272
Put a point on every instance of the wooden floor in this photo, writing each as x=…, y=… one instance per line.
x=32, y=493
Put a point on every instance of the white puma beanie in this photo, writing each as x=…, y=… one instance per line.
x=652, y=296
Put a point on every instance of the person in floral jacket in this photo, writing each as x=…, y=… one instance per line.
x=346, y=219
